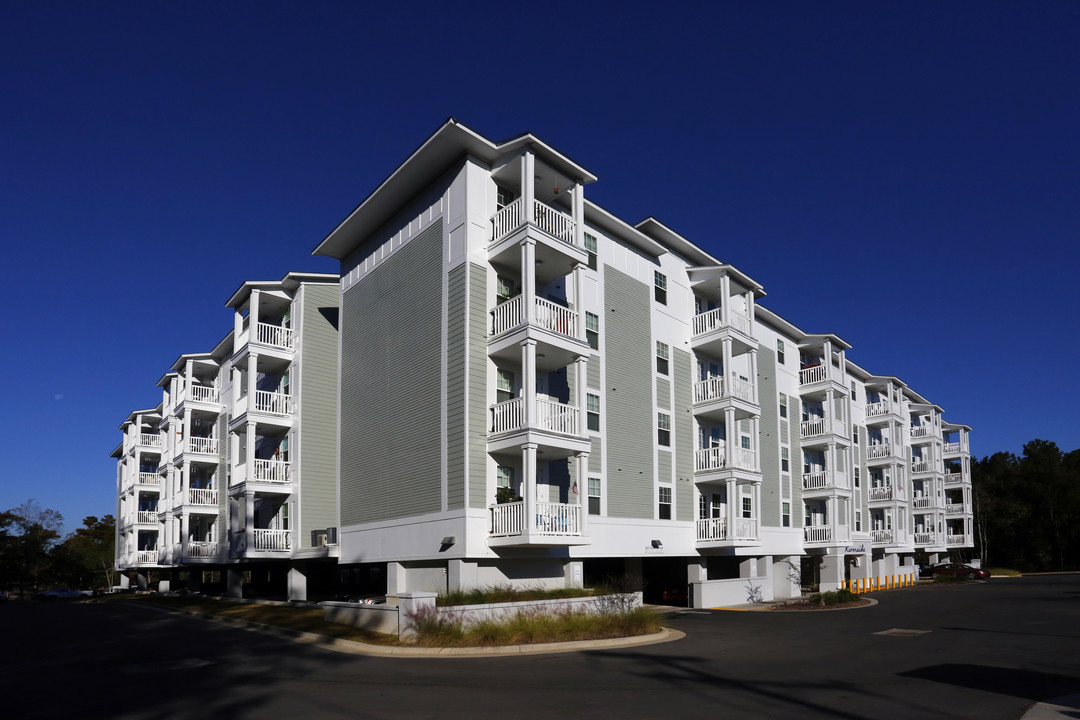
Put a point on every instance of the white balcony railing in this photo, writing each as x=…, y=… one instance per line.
x=550, y=415
x=507, y=315
x=150, y=440
x=745, y=529
x=202, y=549
x=877, y=494
x=146, y=557
x=709, y=389
x=813, y=427
x=203, y=445
x=712, y=529
x=271, y=539
x=877, y=409
x=881, y=537
x=201, y=496
x=272, y=471
x=146, y=517
x=506, y=220
x=952, y=478
x=956, y=539
x=920, y=431
x=878, y=451
x=555, y=317
x=920, y=466
x=273, y=403
x=952, y=447
x=817, y=480
x=922, y=502
x=815, y=374
x=924, y=538
x=817, y=534
x=712, y=458
x=712, y=320
x=952, y=507
x=506, y=519
x=274, y=336
x=553, y=222
x=745, y=459
x=149, y=478
x=204, y=393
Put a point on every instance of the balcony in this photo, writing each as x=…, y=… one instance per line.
x=816, y=430
x=201, y=445
x=709, y=330
x=879, y=451
x=817, y=480
x=149, y=440
x=274, y=336
x=550, y=316
x=149, y=478
x=713, y=395
x=881, y=537
x=923, y=503
x=716, y=530
x=921, y=466
x=817, y=534
x=925, y=538
x=272, y=471
x=954, y=478
x=557, y=224
x=206, y=497
x=509, y=416
x=201, y=549
x=146, y=517
x=881, y=494
x=956, y=507
x=273, y=403
x=146, y=557
x=272, y=540
x=957, y=540
x=878, y=409
x=553, y=520
x=715, y=459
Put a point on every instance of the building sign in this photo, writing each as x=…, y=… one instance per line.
x=855, y=549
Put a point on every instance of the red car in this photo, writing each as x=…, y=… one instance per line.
x=957, y=570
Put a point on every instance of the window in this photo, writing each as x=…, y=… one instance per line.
x=783, y=405
x=858, y=480
x=662, y=356
x=663, y=429
x=785, y=514
x=504, y=385
x=858, y=521
x=505, y=289
x=660, y=287
x=594, y=496
x=592, y=415
x=590, y=247
x=785, y=460
x=702, y=507
x=285, y=516
x=744, y=442
x=592, y=330
x=665, y=503
x=780, y=351
x=504, y=476
x=853, y=390
x=747, y=507
x=503, y=197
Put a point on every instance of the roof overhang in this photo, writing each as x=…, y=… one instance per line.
x=448, y=145
x=289, y=283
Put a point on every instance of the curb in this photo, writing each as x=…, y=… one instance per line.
x=353, y=647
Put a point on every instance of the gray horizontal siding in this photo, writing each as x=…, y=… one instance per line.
x=477, y=398
x=683, y=425
x=456, y=364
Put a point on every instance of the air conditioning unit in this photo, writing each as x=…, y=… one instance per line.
x=318, y=538
x=331, y=536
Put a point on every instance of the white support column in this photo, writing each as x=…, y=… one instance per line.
x=729, y=372
x=757, y=511
x=725, y=302
x=528, y=278
x=750, y=309
x=755, y=429
x=185, y=532
x=731, y=436
x=528, y=380
x=185, y=482
x=581, y=372
x=528, y=489
x=579, y=301
x=249, y=452
x=253, y=316
x=754, y=375
x=252, y=376
x=189, y=376
x=528, y=167
x=238, y=328
x=733, y=508
x=577, y=209
x=249, y=520
x=185, y=434
x=582, y=472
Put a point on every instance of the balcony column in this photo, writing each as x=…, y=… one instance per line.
x=185, y=521
x=725, y=301
x=733, y=509
x=581, y=372
x=528, y=279
x=185, y=433
x=238, y=328
x=528, y=169
x=725, y=358
x=528, y=487
x=189, y=376
x=755, y=422
x=731, y=437
x=579, y=301
x=249, y=452
x=252, y=376
x=249, y=520
x=750, y=309
x=185, y=482
x=253, y=316
x=753, y=374
x=757, y=511
x=528, y=381
x=577, y=212
x=582, y=477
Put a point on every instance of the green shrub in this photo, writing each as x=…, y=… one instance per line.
x=504, y=594
x=834, y=597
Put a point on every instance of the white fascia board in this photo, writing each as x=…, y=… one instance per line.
x=620, y=229
x=741, y=279
x=166, y=378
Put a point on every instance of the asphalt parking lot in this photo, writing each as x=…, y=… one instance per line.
x=984, y=650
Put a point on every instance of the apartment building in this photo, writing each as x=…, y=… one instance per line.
x=524, y=388
x=233, y=475
x=534, y=391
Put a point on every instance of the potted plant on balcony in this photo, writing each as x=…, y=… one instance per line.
x=506, y=495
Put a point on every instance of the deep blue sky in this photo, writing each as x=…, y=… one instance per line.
x=901, y=174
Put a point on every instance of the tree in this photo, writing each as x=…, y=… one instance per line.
x=85, y=558
x=28, y=534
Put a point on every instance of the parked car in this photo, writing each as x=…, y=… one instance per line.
x=959, y=570
x=62, y=593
